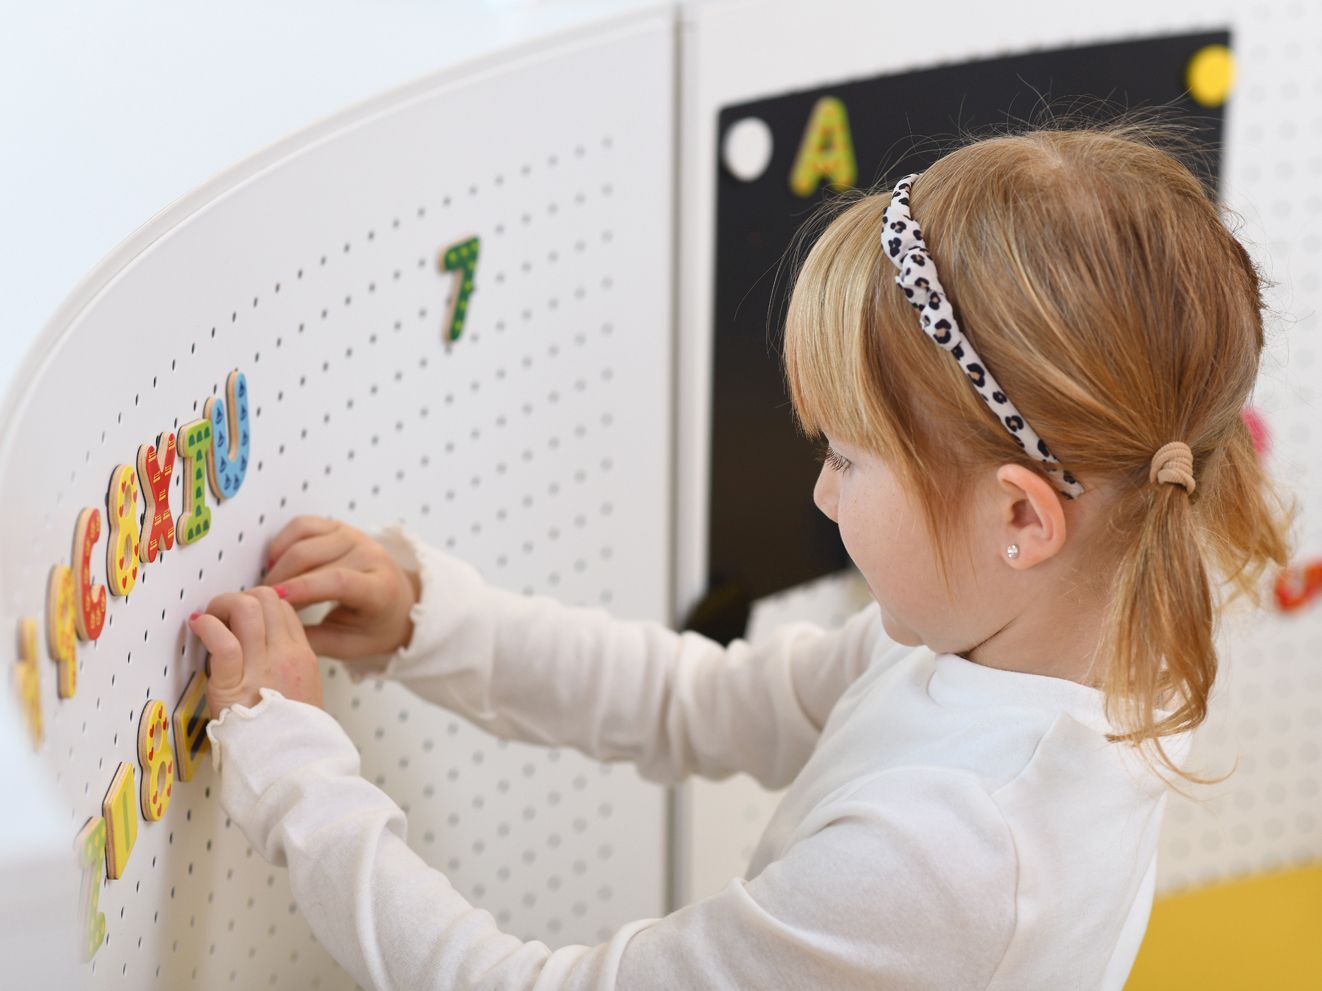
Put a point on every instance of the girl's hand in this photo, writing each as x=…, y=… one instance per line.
x=256, y=641
x=317, y=559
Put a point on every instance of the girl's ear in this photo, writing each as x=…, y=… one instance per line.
x=1030, y=514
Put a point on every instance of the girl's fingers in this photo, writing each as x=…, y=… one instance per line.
x=242, y=613
x=310, y=552
x=226, y=654
x=293, y=625
x=335, y=641
x=334, y=583
x=273, y=618
x=297, y=529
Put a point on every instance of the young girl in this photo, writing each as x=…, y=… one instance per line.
x=1038, y=462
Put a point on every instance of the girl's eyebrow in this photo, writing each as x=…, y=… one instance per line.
x=854, y=455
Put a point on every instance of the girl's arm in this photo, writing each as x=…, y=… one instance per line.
x=906, y=880
x=533, y=669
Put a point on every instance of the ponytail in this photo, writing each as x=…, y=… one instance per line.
x=1247, y=519
x=1158, y=641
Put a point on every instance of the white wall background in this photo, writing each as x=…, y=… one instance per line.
x=110, y=112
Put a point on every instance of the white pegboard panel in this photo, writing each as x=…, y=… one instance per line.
x=1267, y=707
x=536, y=447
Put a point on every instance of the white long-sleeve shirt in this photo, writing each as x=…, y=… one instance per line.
x=947, y=825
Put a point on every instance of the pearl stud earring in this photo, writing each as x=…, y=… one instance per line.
x=1012, y=551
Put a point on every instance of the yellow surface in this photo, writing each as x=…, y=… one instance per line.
x=27, y=679
x=1260, y=932
x=122, y=546
x=1211, y=75
x=157, y=759
x=120, y=811
x=190, y=724
x=62, y=628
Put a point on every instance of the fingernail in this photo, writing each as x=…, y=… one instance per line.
x=194, y=615
x=281, y=591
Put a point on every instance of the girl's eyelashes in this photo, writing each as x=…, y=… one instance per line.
x=837, y=462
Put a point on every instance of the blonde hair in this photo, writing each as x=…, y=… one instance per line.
x=1093, y=273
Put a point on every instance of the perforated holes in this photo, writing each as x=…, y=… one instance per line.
x=365, y=460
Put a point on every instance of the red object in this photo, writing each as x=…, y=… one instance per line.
x=1297, y=585
x=1257, y=429
x=194, y=615
x=281, y=591
x=154, y=474
x=91, y=599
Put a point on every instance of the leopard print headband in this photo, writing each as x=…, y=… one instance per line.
x=902, y=243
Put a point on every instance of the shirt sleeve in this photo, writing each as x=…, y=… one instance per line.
x=531, y=668
x=905, y=879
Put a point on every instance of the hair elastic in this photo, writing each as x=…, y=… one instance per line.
x=1173, y=463
x=902, y=242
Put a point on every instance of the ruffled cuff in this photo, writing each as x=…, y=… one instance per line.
x=215, y=728
x=262, y=751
